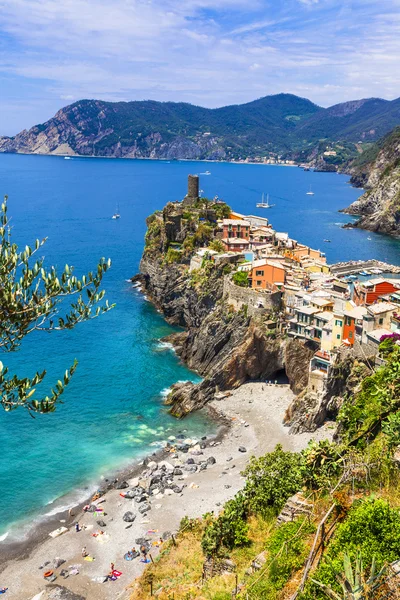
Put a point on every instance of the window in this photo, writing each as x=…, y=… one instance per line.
x=380, y=321
x=259, y=273
x=259, y=282
x=350, y=335
x=338, y=323
x=338, y=336
x=348, y=321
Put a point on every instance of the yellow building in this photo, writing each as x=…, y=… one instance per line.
x=337, y=329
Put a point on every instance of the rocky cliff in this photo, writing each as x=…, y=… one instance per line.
x=310, y=410
x=226, y=346
x=379, y=207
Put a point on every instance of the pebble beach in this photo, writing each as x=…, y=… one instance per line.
x=191, y=477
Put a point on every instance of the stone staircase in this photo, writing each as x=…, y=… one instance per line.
x=295, y=507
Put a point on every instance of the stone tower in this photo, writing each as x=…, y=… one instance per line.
x=193, y=190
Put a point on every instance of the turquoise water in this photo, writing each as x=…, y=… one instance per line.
x=112, y=410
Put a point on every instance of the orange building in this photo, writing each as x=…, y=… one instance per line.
x=349, y=329
x=265, y=273
x=368, y=292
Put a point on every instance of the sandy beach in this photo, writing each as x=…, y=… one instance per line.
x=255, y=412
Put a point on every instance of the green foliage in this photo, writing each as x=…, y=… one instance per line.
x=287, y=551
x=188, y=244
x=354, y=582
x=153, y=234
x=370, y=532
x=387, y=346
x=222, y=210
x=361, y=416
x=227, y=269
x=240, y=278
x=322, y=464
x=229, y=530
x=272, y=479
x=391, y=428
x=34, y=299
x=204, y=233
x=216, y=245
x=173, y=256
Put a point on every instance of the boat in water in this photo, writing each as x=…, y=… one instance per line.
x=67, y=158
x=328, y=241
x=310, y=192
x=263, y=204
x=116, y=215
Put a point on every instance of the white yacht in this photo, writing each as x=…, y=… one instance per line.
x=263, y=204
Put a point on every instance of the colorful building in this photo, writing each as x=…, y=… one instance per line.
x=235, y=244
x=236, y=228
x=369, y=292
x=265, y=273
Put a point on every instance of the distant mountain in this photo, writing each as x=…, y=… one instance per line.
x=281, y=123
x=378, y=170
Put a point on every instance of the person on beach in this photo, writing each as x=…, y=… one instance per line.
x=84, y=552
x=3, y=590
x=143, y=550
x=112, y=567
x=78, y=527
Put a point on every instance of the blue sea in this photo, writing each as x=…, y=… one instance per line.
x=112, y=411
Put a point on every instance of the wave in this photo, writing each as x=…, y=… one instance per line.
x=164, y=346
x=3, y=537
x=164, y=392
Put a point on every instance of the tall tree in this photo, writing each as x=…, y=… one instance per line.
x=33, y=298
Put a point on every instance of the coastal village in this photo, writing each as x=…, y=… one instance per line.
x=354, y=305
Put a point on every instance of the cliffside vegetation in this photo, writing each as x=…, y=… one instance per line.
x=282, y=124
x=344, y=542
x=378, y=170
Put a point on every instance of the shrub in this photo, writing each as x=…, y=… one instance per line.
x=371, y=530
x=322, y=463
x=216, y=245
x=272, y=479
x=361, y=416
x=240, y=278
x=229, y=530
x=173, y=256
x=287, y=551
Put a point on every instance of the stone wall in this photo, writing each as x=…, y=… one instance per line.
x=256, y=300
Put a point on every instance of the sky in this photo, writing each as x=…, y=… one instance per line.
x=207, y=52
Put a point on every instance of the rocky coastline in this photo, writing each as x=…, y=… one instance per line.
x=378, y=208
x=227, y=347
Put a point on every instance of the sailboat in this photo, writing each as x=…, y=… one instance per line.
x=263, y=204
x=116, y=215
x=310, y=192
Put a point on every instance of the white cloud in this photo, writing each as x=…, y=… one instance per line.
x=209, y=52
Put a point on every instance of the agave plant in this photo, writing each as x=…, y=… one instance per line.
x=355, y=585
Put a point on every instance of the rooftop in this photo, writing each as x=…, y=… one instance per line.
x=376, y=334
x=381, y=307
x=236, y=222
x=325, y=315
x=308, y=310
x=377, y=281
x=234, y=240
